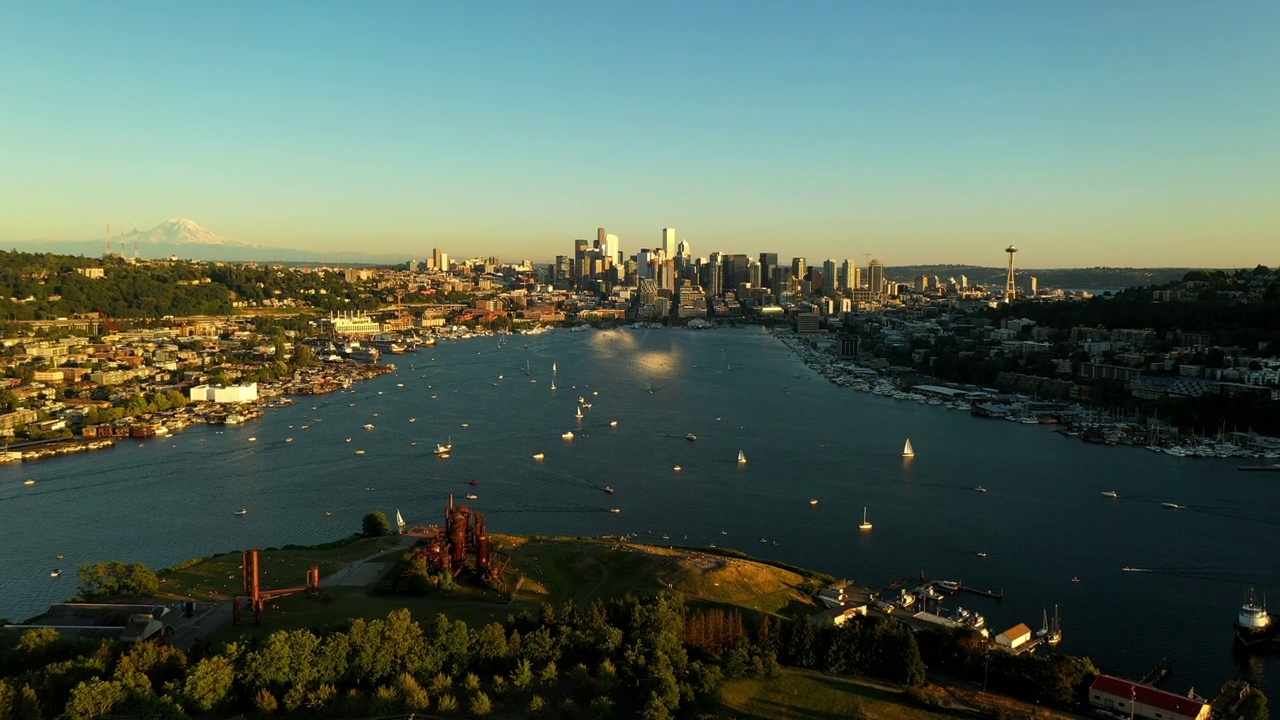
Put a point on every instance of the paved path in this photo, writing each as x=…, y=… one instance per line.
x=212, y=615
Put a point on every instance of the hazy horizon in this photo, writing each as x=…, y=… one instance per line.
x=1088, y=134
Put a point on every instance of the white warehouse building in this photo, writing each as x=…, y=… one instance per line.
x=229, y=394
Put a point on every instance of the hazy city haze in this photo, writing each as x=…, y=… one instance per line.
x=1088, y=133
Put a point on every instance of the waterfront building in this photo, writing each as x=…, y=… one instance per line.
x=347, y=324
x=1014, y=637
x=1126, y=697
x=228, y=394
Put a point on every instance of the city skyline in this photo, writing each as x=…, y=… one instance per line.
x=1086, y=134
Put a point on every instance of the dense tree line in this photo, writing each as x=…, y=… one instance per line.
x=652, y=657
x=38, y=286
x=963, y=652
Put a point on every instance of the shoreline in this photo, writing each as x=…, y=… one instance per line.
x=321, y=380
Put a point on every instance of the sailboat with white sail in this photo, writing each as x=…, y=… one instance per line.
x=742, y=458
x=907, y=450
x=399, y=522
x=866, y=524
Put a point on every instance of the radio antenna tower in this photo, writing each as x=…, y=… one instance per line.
x=1010, y=284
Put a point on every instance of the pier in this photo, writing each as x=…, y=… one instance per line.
x=996, y=594
x=1157, y=674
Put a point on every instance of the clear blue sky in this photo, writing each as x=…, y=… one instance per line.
x=1088, y=133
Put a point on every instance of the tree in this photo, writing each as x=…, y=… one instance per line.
x=209, y=683
x=94, y=698
x=116, y=579
x=1254, y=706
x=376, y=524
x=480, y=705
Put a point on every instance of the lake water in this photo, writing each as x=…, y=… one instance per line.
x=1042, y=522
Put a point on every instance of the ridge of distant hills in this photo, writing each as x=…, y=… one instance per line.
x=190, y=240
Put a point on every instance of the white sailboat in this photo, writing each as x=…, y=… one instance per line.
x=907, y=450
x=553, y=368
x=742, y=458
x=399, y=522
x=866, y=524
x=579, y=414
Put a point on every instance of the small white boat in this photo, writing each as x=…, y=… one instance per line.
x=359, y=452
x=242, y=511
x=907, y=450
x=608, y=489
x=979, y=488
x=368, y=426
x=28, y=482
x=951, y=585
x=742, y=458
x=615, y=511
x=538, y=456
x=981, y=553
x=677, y=468
x=613, y=423
x=1171, y=506
x=288, y=439
x=866, y=524
x=1111, y=493
x=472, y=496
x=579, y=413
x=690, y=437
x=348, y=439
x=567, y=435
x=413, y=419
x=56, y=573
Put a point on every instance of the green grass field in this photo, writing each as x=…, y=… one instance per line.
x=802, y=696
x=218, y=577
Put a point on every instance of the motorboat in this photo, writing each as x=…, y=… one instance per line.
x=360, y=452
x=1111, y=493
x=615, y=511
x=472, y=496
x=1171, y=506
x=979, y=488
x=677, y=468
x=813, y=501
x=566, y=435
x=242, y=511
x=538, y=456
x=690, y=437
x=613, y=423
x=951, y=585
x=28, y=482
x=608, y=489
x=368, y=426
x=57, y=572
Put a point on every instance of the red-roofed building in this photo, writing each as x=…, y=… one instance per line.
x=1129, y=698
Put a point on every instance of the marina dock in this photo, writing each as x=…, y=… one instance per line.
x=996, y=594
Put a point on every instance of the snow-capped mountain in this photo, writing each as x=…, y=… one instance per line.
x=181, y=231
